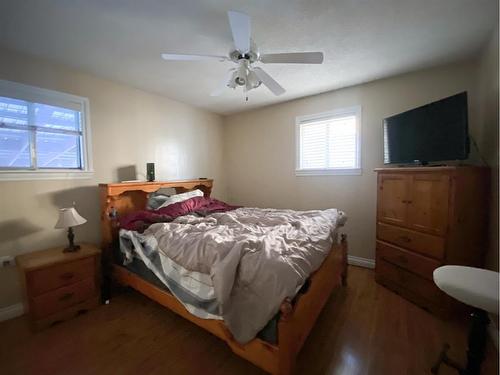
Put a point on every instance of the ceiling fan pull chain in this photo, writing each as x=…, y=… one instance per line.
x=245, y=93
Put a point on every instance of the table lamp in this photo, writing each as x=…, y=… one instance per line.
x=69, y=218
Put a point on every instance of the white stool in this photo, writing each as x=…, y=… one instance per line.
x=478, y=288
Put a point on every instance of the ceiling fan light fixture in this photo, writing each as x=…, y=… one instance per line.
x=232, y=81
x=252, y=80
x=242, y=73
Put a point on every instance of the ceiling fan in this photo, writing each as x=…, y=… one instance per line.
x=245, y=54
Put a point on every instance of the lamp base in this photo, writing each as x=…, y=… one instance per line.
x=72, y=247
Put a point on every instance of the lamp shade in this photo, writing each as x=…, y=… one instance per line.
x=69, y=217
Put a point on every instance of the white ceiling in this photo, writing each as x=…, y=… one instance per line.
x=362, y=40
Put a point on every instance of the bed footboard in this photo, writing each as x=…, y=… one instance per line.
x=295, y=323
x=298, y=320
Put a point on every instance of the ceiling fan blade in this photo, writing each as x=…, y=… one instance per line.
x=241, y=30
x=224, y=84
x=184, y=57
x=269, y=82
x=292, y=58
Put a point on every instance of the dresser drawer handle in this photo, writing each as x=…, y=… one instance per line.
x=66, y=296
x=405, y=238
x=67, y=276
x=402, y=259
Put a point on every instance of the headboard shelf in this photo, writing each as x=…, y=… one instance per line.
x=118, y=199
x=114, y=189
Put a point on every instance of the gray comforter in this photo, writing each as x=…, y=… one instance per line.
x=253, y=257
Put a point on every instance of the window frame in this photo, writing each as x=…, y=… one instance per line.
x=338, y=112
x=45, y=96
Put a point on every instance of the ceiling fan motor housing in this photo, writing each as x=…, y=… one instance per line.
x=250, y=56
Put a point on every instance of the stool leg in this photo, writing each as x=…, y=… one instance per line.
x=476, y=347
x=443, y=358
x=476, y=350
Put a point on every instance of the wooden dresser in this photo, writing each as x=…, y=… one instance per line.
x=428, y=217
x=59, y=285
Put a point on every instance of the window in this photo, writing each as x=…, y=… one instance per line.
x=329, y=143
x=43, y=134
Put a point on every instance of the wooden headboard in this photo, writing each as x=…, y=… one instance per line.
x=122, y=198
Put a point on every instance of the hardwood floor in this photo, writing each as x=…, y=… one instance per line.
x=364, y=329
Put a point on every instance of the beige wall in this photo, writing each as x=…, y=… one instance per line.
x=488, y=137
x=129, y=127
x=260, y=147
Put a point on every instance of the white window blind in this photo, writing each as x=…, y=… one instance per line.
x=43, y=133
x=328, y=143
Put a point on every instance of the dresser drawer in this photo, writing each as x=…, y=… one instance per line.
x=408, y=260
x=409, y=281
x=63, y=298
x=56, y=276
x=426, y=244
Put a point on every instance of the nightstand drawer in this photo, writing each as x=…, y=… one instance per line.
x=63, y=298
x=57, y=276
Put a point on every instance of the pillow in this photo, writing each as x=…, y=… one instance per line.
x=155, y=200
x=181, y=197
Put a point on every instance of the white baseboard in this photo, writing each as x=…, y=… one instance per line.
x=361, y=262
x=12, y=311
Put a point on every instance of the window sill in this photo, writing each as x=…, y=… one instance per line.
x=24, y=175
x=328, y=172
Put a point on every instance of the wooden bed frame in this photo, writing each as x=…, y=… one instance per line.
x=296, y=320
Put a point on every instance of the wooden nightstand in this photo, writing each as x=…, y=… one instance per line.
x=58, y=285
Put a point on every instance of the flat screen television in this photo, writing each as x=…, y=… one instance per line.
x=434, y=132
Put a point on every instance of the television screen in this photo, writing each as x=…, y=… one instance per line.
x=434, y=132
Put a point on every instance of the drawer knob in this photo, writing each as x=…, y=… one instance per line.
x=402, y=259
x=405, y=238
x=66, y=296
x=67, y=276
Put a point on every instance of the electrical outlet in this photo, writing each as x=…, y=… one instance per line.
x=7, y=261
